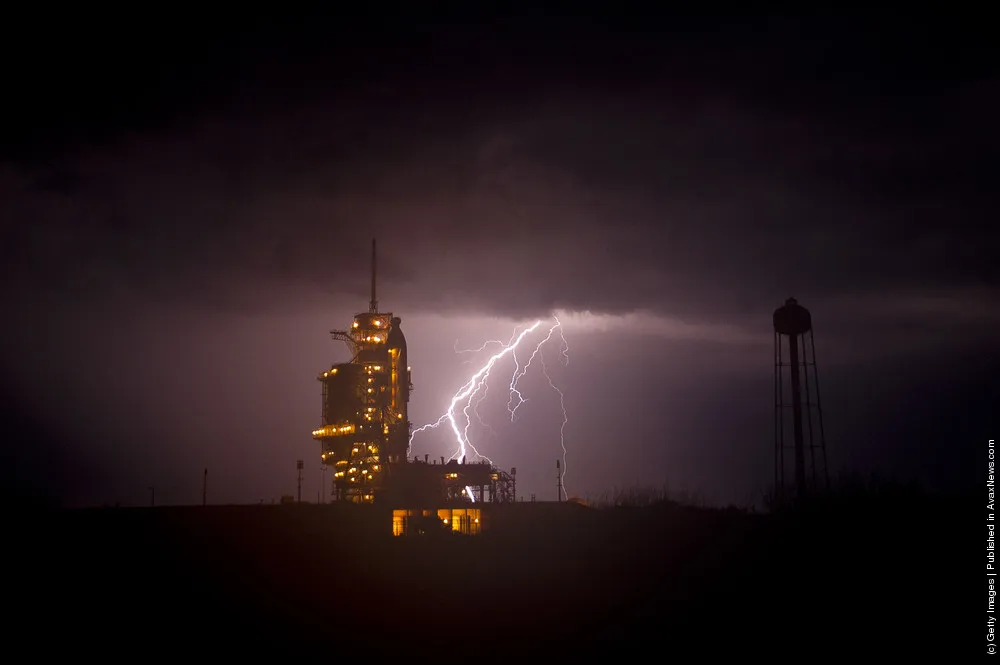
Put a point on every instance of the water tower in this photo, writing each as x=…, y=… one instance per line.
x=798, y=417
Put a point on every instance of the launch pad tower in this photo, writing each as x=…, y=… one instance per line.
x=365, y=431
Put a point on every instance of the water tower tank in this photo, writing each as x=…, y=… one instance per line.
x=792, y=319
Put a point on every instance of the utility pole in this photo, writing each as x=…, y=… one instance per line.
x=204, y=489
x=299, y=466
x=152, y=497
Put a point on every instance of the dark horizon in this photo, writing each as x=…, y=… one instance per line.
x=188, y=210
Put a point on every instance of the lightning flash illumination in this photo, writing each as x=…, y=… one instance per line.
x=473, y=392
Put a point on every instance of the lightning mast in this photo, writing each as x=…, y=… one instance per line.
x=373, y=304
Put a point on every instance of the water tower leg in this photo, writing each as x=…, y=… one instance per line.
x=800, y=462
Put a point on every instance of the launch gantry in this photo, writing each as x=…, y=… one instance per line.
x=365, y=426
x=365, y=432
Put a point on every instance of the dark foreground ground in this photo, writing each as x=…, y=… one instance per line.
x=561, y=582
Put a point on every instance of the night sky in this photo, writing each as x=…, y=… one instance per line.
x=188, y=204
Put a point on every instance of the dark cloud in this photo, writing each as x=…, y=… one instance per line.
x=574, y=203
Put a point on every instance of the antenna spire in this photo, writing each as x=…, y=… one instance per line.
x=373, y=305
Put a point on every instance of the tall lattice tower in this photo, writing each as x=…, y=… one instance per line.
x=365, y=430
x=798, y=415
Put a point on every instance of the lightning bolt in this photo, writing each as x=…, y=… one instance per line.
x=483, y=347
x=486, y=386
x=519, y=372
x=473, y=392
x=475, y=410
x=564, y=352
